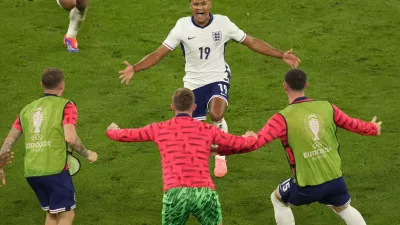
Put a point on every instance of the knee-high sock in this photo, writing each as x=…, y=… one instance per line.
x=351, y=216
x=76, y=19
x=224, y=127
x=283, y=213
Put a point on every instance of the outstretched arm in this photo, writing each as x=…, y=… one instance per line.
x=132, y=135
x=356, y=125
x=232, y=141
x=275, y=128
x=151, y=59
x=263, y=48
x=147, y=62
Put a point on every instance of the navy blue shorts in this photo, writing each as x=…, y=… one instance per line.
x=331, y=193
x=56, y=193
x=203, y=96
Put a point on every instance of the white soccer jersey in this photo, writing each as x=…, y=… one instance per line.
x=204, y=48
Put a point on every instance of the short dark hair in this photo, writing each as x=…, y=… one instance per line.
x=52, y=77
x=183, y=99
x=296, y=79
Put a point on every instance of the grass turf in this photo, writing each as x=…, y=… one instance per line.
x=349, y=50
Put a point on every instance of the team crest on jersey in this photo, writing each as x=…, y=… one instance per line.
x=217, y=36
x=37, y=118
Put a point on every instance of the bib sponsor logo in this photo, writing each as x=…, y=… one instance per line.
x=314, y=126
x=37, y=123
x=38, y=145
x=37, y=119
x=320, y=152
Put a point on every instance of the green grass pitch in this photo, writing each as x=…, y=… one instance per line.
x=348, y=48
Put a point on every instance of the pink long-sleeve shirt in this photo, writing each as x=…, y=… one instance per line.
x=185, y=146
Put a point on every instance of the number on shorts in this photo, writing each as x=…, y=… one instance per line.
x=224, y=89
x=285, y=185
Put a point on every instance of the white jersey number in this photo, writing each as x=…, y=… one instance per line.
x=224, y=89
x=285, y=185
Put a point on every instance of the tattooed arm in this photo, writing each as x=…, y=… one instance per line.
x=75, y=143
x=78, y=146
x=11, y=139
x=5, y=151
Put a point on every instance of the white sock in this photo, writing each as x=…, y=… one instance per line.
x=352, y=216
x=76, y=19
x=283, y=213
x=224, y=127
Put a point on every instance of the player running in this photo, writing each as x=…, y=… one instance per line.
x=203, y=38
x=184, y=144
x=77, y=12
x=49, y=125
x=307, y=129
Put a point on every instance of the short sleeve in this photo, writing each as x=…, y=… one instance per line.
x=173, y=38
x=70, y=114
x=17, y=124
x=234, y=32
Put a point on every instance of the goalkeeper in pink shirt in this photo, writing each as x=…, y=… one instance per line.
x=185, y=147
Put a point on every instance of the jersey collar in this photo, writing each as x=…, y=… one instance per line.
x=182, y=115
x=301, y=99
x=209, y=22
x=47, y=94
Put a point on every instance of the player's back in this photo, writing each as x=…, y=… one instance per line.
x=184, y=145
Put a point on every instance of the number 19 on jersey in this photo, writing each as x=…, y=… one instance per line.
x=204, y=51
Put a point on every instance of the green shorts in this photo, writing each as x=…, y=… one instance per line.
x=203, y=203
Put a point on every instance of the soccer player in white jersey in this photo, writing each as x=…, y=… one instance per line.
x=202, y=38
x=77, y=12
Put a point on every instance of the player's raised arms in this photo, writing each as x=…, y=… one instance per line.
x=147, y=62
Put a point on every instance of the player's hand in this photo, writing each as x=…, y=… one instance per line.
x=92, y=156
x=214, y=150
x=250, y=134
x=291, y=59
x=113, y=126
x=6, y=158
x=127, y=74
x=2, y=176
x=377, y=124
